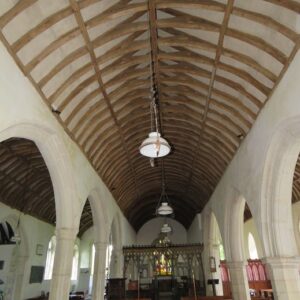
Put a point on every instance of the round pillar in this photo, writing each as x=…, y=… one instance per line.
x=61, y=276
x=239, y=280
x=99, y=271
x=284, y=275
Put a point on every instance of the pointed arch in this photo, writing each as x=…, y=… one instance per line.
x=276, y=190
x=58, y=163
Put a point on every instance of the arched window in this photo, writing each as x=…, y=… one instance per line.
x=252, y=247
x=92, y=267
x=221, y=252
x=75, y=263
x=109, y=250
x=93, y=259
x=50, y=258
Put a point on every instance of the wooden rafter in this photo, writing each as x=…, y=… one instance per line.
x=97, y=70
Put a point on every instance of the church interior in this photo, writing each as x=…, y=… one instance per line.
x=149, y=149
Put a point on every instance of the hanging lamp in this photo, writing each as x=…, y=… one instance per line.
x=154, y=145
x=164, y=207
x=166, y=228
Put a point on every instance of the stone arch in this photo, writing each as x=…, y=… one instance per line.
x=234, y=244
x=276, y=222
x=94, y=203
x=58, y=163
x=233, y=227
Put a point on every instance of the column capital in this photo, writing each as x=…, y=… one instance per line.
x=282, y=262
x=66, y=233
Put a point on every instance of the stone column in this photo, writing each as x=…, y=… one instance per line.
x=285, y=277
x=19, y=279
x=61, y=276
x=99, y=271
x=239, y=280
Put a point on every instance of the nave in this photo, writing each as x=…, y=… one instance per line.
x=149, y=124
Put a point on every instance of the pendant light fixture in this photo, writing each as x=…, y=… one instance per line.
x=166, y=228
x=164, y=207
x=154, y=145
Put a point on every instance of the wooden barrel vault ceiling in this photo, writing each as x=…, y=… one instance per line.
x=216, y=64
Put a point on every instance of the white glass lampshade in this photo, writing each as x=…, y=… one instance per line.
x=155, y=146
x=165, y=209
x=166, y=228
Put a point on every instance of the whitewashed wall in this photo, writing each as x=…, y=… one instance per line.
x=33, y=232
x=150, y=230
x=194, y=234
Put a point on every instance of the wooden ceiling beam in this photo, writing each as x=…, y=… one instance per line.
x=19, y=7
x=266, y=20
x=289, y=4
x=40, y=28
x=185, y=40
x=115, y=11
x=191, y=4
x=90, y=46
x=187, y=21
x=182, y=67
x=60, y=41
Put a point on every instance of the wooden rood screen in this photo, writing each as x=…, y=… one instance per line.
x=256, y=273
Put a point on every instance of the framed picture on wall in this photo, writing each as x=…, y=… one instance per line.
x=36, y=274
x=39, y=249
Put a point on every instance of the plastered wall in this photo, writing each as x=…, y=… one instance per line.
x=150, y=230
x=34, y=232
x=194, y=233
